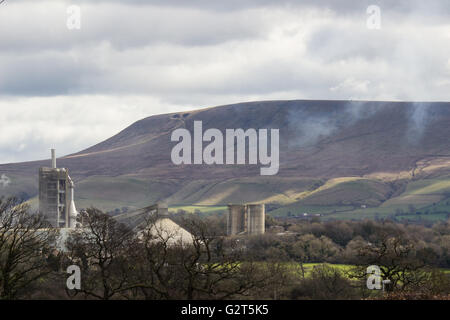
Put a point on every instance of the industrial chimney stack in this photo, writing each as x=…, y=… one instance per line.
x=53, y=159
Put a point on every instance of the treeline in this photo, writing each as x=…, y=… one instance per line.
x=116, y=262
x=411, y=257
x=151, y=262
x=342, y=241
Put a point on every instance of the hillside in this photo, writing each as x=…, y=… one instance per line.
x=344, y=159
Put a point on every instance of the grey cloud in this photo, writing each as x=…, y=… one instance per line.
x=430, y=7
x=122, y=25
x=189, y=54
x=332, y=43
x=48, y=73
x=341, y=6
x=126, y=49
x=30, y=126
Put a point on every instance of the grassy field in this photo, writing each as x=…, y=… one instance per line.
x=342, y=267
x=202, y=209
x=374, y=214
x=281, y=190
x=343, y=199
x=310, y=266
x=126, y=191
x=296, y=209
x=338, y=198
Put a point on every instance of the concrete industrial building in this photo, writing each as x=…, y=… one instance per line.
x=56, y=203
x=246, y=219
x=56, y=196
x=163, y=228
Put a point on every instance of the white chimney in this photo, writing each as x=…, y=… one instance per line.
x=53, y=159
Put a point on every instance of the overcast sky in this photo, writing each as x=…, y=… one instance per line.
x=70, y=89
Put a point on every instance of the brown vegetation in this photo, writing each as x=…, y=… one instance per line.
x=119, y=263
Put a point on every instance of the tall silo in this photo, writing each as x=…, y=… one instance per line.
x=236, y=222
x=256, y=219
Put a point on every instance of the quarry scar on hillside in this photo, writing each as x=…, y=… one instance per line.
x=213, y=152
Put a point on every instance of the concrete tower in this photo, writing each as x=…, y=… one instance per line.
x=56, y=195
x=256, y=219
x=246, y=219
x=236, y=222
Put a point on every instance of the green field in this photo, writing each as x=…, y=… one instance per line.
x=344, y=268
x=202, y=209
x=341, y=267
x=343, y=198
x=280, y=190
x=427, y=199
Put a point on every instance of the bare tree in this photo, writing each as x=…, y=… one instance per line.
x=26, y=242
x=103, y=250
x=205, y=268
x=396, y=256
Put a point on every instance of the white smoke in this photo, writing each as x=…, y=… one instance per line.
x=4, y=181
x=420, y=117
x=310, y=127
